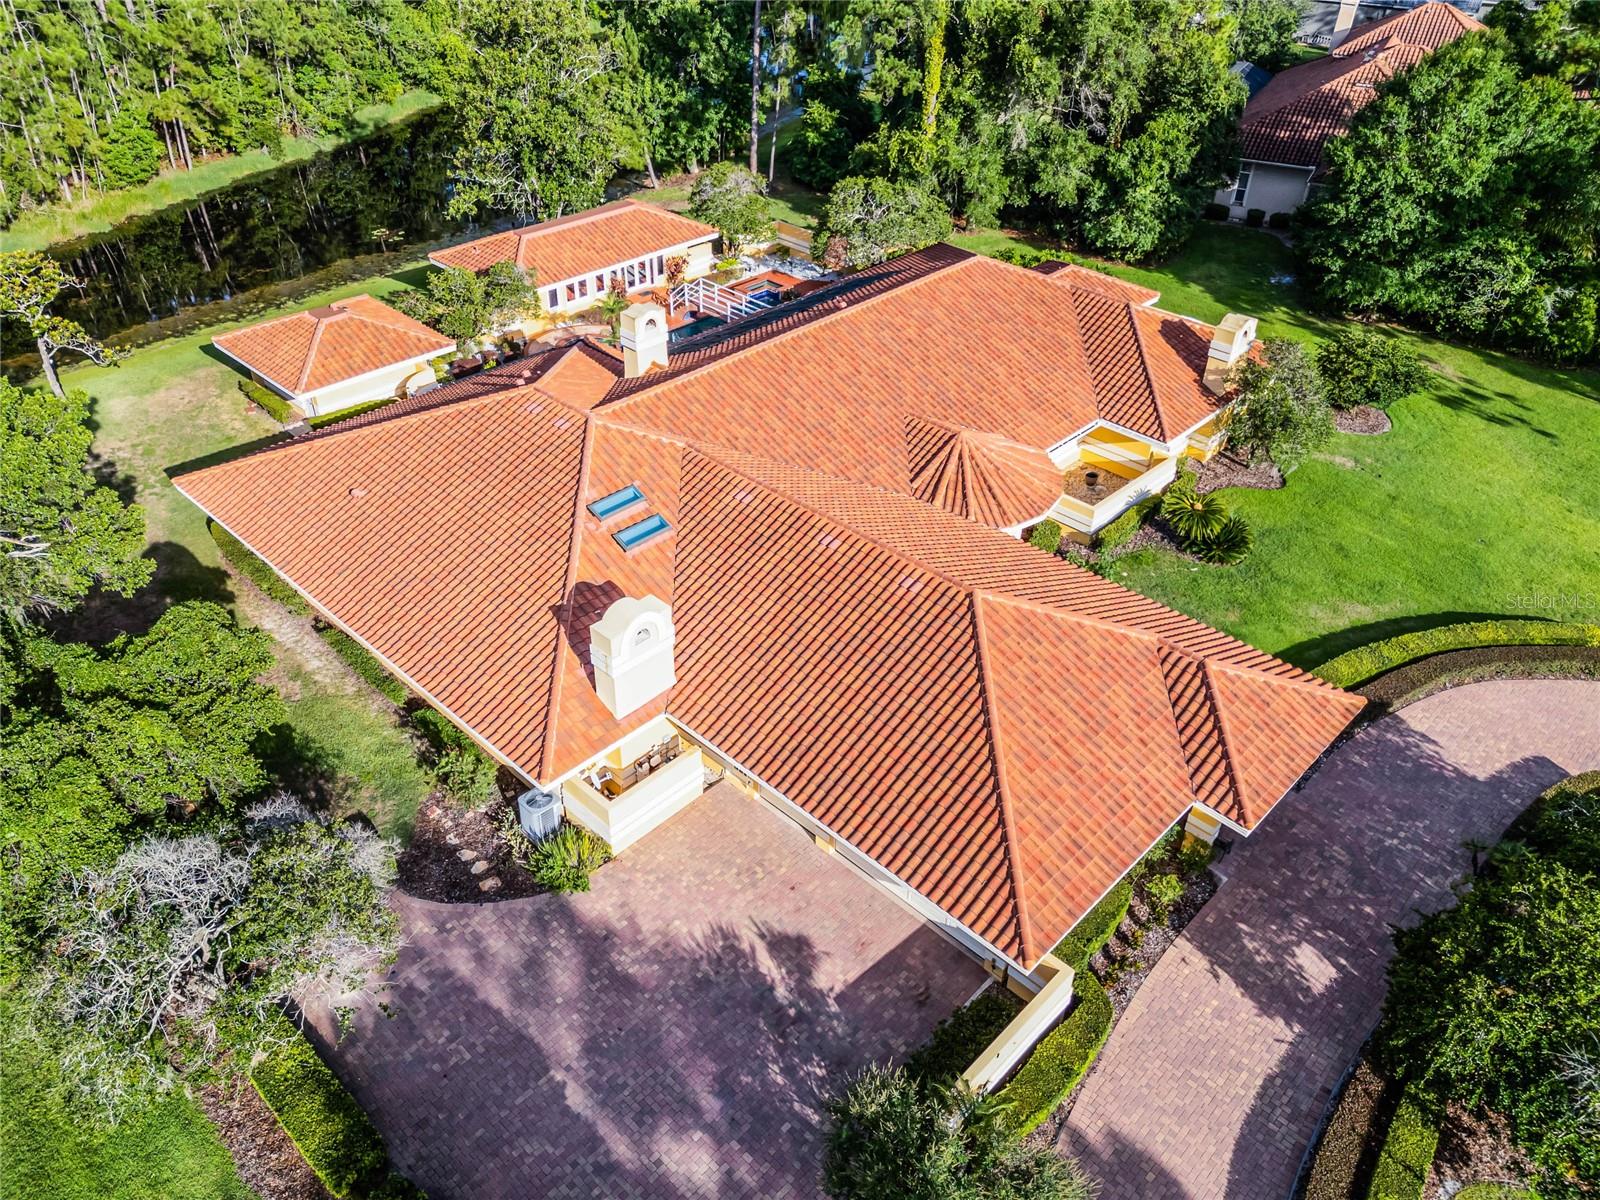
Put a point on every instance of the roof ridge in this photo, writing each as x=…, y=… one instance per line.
x=319, y=324
x=569, y=583
x=1144, y=369
x=1008, y=823
x=1225, y=739
x=833, y=312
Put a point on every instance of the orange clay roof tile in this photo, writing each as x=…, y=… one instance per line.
x=580, y=243
x=309, y=350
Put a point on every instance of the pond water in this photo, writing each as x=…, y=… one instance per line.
x=348, y=213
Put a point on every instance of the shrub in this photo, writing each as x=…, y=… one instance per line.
x=957, y=1040
x=1215, y=211
x=1341, y=1150
x=1163, y=892
x=355, y=410
x=439, y=731
x=1278, y=220
x=1406, y=1154
x=1095, y=927
x=269, y=402
x=1060, y=1060
x=1195, y=857
x=894, y=1140
x=132, y=155
x=1367, y=662
x=1193, y=515
x=1230, y=544
x=364, y=663
x=1117, y=534
x=734, y=199
x=468, y=775
x=565, y=859
x=1279, y=410
x=1046, y=536
x=335, y=1137
x=868, y=220
x=1255, y=217
x=1564, y=823
x=270, y=583
x=1360, y=366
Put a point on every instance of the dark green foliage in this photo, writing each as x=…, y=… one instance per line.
x=1267, y=32
x=85, y=535
x=1357, y=666
x=131, y=155
x=1406, y=1153
x=957, y=1040
x=1215, y=212
x=1279, y=220
x=270, y=583
x=344, y=414
x=893, y=1139
x=1096, y=927
x=365, y=664
x=1465, y=198
x=819, y=154
x=1120, y=531
x=1255, y=217
x=1493, y=1002
x=871, y=219
x=1163, y=891
x=468, y=775
x=1362, y=366
x=1193, y=515
x=441, y=733
x=1342, y=1152
x=1230, y=544
x=734, y=199
x=1046, y=536
x=323, y=1120
x=1280, y=412
x=269, y=402
x=1060, y=1060
x=563, y=861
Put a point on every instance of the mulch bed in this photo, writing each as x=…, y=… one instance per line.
x=1415, y=681
x=1348, y=1144
x=1362, y=419
x=1225, y=471
x=1125, y=962
x=1474, y=1148
x=265, y=1158
x=457, y=856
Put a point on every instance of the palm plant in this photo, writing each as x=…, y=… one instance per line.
x=1228, y=545
x=613, y=306
x=1193, y=515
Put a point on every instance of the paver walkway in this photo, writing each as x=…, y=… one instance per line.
x=1216, y=1077
x=667, y=1035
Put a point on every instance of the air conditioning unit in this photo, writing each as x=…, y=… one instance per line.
x=539, y=812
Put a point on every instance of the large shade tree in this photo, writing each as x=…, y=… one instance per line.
x=29, y=285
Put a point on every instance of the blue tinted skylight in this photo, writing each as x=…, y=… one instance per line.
x=632, y=536
x=610, y=506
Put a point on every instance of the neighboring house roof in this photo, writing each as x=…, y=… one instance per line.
x=309, y=350
x=575, y=245
x=1004, y=731
x=1291, y=119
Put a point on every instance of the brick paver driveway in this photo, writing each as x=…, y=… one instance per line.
x=666, y=1035
x=1216, y=1077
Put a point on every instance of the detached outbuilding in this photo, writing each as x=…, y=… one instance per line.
x=347, y=353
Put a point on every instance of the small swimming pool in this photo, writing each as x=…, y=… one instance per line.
x=693, y=327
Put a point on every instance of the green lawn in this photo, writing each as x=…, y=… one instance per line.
x=1484, y=500
x=66, y=222
x=175, y=401
x=47, y=1152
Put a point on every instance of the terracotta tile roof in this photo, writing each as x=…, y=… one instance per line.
x=574, y=245
x=309, y=350
x=1004, y=731
x=1096, y=281
x=1291, y=119
x=978, y=475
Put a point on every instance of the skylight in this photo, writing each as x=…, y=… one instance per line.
x=611, y=505
x=631, y=537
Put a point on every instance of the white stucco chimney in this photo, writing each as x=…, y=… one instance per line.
x=1231, y=342
x=644, y=338
x=631, y=650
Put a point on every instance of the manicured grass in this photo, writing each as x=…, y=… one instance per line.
x=48, y=1152
x=46, y=227
x=173, y=402
x=1483, y=501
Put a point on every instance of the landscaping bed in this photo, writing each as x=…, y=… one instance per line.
x=263, y=1153
x=1418, y=680
x=457, y=856
x=1225, y=471
x=1363, y=419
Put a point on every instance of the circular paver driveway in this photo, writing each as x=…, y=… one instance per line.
x=1215, y=1079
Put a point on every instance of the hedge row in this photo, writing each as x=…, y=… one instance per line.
x=1060, y=1060
x=1119, y=532
x=957, y=1040
x=1365, y=662
x=332, y=1133
x=364, y=663
x=344, y=414
x=1338, y=1165
x=1406, y=1154
x=274, y=405
x=257, y=572
x=1095, y=929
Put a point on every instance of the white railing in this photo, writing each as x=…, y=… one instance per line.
x=709, y=296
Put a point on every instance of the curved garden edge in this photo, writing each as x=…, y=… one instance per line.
x=1365, y=665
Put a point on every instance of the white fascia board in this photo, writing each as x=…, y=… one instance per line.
x=297, y=397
